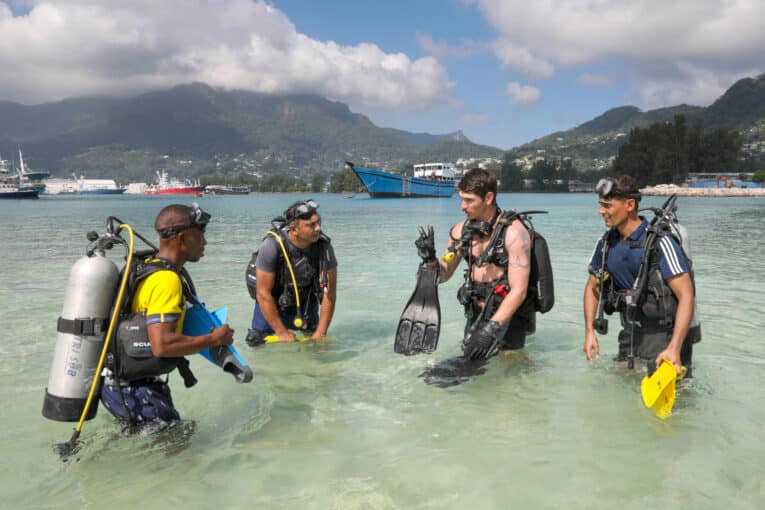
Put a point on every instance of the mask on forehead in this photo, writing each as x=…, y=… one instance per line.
x=300, y=210
x=198, y=218
x=610, y=188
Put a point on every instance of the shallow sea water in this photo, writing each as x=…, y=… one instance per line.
x=349, y=424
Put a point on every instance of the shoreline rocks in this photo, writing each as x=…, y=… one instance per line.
x=670, y=189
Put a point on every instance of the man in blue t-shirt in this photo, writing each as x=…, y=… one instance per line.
x=295, y=273
x=656, y=328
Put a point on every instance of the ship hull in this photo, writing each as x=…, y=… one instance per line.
x=197, y=192
x=381, y=184
x=27, y=193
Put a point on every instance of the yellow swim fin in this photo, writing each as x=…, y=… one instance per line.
x=658, y=390
x=663, y=406
x=273, y=339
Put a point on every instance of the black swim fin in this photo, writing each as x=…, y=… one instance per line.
x=420, y=321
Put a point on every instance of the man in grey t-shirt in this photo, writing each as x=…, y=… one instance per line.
x=295, y=273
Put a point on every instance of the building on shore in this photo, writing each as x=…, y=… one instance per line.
x=722, y=180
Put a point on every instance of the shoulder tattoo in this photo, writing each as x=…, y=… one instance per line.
x=518, y=247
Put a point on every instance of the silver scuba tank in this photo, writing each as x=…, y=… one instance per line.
x=81, y=331
x=681, y=233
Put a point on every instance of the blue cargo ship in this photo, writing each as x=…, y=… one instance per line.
x=430, y=180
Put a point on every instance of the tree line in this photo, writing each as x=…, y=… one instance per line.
x=662, y=153
x=666, y=151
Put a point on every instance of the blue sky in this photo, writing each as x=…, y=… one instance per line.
x=502, y=71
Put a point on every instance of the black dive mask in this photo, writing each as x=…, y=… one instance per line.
x=301, y=210
x=609, y=188
x=197, y=219
x=481, y=228
x=478, y=228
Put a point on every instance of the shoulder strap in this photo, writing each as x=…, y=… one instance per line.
x=497, y=239
x=147, y=266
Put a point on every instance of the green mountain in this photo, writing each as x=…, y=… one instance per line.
x=592, y=144
x=196, y=129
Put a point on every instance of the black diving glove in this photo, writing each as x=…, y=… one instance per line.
x=426, y=244
x=482, y=342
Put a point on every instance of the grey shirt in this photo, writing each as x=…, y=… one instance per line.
x=268, y=254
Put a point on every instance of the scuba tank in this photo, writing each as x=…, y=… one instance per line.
x=81, y=330
x=680, y=233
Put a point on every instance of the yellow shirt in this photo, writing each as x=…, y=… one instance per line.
x=160, y=295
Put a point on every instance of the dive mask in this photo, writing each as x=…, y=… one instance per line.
x=300, y=209
x=611, y=188
x=481, y=228
x=198, y=218
x=478, y=228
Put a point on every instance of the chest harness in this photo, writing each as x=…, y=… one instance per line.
x=650, y=303
x=301, y=277
x=131, y=358
x=492, y=293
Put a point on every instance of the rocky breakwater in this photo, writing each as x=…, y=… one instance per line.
x=671, y=189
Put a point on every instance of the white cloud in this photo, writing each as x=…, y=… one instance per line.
x=522, y=60
x=64, y=48
x=694, y=86
x=723, y=37
x=523, y=95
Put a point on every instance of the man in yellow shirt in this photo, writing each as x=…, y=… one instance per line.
x=136, y=393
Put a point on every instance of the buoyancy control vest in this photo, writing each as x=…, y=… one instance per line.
x=650, y=300
x=309, y=268
x=130, y=357
x=540, y=294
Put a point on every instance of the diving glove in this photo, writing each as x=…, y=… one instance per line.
x=482, y=342
x=426, y=244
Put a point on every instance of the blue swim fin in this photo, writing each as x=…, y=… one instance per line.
x=199, y=321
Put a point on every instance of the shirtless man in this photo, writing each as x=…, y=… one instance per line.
x=498, y=257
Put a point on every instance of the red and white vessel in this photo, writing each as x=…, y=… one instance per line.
x=168, y=186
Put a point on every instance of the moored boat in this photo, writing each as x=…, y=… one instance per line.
x=97, y=186
x=168, y=186
x=219, y=189
x=429, y=180
x=82, y=186
x=13, y=190
x=31, y=178
x=12, y=186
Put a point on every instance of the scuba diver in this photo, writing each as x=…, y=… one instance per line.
x=642, y=271
x=498, y=249
x=292, y=277
x=133, y=390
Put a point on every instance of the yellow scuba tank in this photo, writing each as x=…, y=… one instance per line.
x=81, y=331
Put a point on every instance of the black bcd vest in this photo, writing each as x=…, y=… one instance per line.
x=130, y=356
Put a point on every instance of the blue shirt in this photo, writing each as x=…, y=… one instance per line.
x=624, y=256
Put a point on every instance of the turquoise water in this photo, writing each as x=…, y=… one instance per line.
x=351, y=425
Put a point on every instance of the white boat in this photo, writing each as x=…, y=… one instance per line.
x=97, y=186
x=82, y=186
x=5, y=168
x=218, y=189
